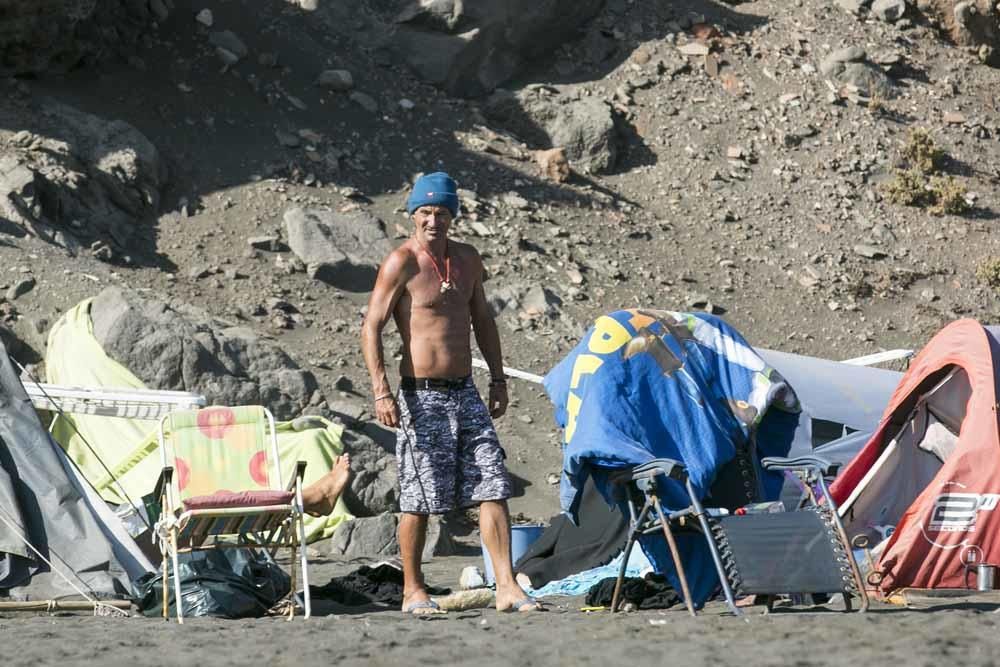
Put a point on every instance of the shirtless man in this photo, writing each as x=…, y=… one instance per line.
x=447, y=450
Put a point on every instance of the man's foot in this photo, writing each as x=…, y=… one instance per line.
x=514, y=599
x=419, y=603
x=320, y=497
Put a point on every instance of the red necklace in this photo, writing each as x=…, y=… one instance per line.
x=446, y=278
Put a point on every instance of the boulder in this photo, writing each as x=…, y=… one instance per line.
x=850, y=66
x=375, y=537
x=343, y=249
x=532, y=300
x=39, y=35
x=73, y=175
x=177, y=347
x=470, y=48
x=583, y=128
x=374, y=486
x=889, y=11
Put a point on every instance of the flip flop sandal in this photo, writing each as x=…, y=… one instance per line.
x=423, y=608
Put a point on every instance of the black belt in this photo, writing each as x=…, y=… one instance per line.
x=410, y=384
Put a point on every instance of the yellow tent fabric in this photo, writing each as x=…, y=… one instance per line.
x=129, y=448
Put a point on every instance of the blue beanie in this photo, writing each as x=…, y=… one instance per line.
x=437, y=189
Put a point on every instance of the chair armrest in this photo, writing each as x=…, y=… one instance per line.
x=165, y=478
x=297, y=476
x=667, y=467
x=806, y=462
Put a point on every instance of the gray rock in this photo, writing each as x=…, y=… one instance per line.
x=177, y=347
x=584, y=129
x=20, y=288
x=442, y=15
x=343, y=249
x=849, y=66
x=79, y=175
x=336, y=79
x=366, y=537
x=533, y=300
x=374, y=486
x=470, y=48
x=889, y=11
x=227, y=57
x=855, y=7
x=833, y=63
x=871, y=252
x=869, y=79
x=372, y=537
x=227, y=39
x=365, y=101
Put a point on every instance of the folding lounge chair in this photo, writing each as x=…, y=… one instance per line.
x=804, y=551
x=221, y=487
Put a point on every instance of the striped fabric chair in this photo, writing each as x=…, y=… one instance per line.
x=221, y=487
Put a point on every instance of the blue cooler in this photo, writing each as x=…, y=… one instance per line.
x=521, y=537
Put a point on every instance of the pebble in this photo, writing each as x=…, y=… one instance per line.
x=20, y=288
x=227, y=39
x=365, y=101
x=871, y=252
x=336, y=79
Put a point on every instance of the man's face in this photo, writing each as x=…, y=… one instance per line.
x=432, y=222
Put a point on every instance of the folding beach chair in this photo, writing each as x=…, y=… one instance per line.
x=221, y=487
x=799, y=552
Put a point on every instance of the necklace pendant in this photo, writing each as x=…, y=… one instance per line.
x=445, y=286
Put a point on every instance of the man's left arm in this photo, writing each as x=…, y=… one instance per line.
x=488, y=339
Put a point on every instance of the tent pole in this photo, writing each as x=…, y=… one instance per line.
x=62, y=605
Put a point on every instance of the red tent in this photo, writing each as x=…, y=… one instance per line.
x=929, y=475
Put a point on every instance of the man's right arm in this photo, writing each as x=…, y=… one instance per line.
x=389, y=286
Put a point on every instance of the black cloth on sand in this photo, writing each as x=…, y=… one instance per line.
x=565, y=549
x=366, y=585
x=653, y=592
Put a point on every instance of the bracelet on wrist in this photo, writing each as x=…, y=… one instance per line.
x=501, y=380
x=381, y=396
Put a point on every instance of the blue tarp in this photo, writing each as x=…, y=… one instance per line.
x=646, y=384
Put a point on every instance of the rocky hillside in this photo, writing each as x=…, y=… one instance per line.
x=824, y=173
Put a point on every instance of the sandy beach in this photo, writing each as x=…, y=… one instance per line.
x=959, y=631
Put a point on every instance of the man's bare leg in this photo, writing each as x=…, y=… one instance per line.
x=494, y=527
x=320, y=497
x=412, y=535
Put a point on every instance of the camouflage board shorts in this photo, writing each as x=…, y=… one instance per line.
x=447, y=450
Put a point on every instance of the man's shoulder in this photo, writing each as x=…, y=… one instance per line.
x=463, y=250
x=401, y=260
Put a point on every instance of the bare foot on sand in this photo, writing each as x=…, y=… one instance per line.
x=514, y=599
x=320, y=497
x=419, y=603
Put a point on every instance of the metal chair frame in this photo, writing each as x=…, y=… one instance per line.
x=279, y=526
x=640, y=485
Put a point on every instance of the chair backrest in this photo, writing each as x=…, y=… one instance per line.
x=220, y=449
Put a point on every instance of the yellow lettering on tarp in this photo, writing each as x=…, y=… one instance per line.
x=639, y=320
x=584, y=365
x=609, y=335
x=573, y=403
